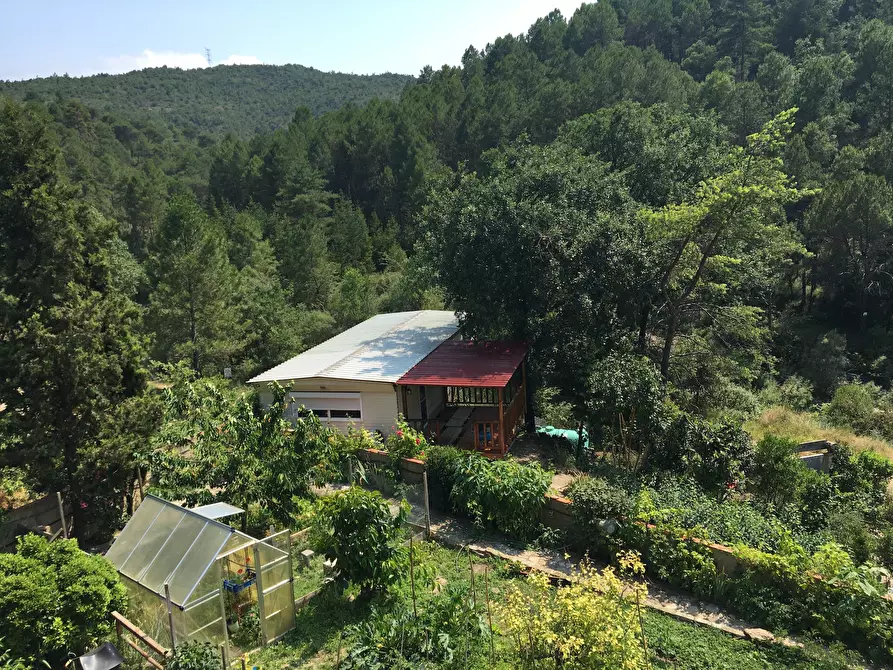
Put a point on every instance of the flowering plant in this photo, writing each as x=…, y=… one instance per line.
x=404, y=441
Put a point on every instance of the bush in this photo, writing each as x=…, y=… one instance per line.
x=851, y=406
x=505, y=494
x=715, y=454
x=56, y=599
x=192, y=655
x=443, y=464
x=591, y=623
x=399, y=639
x=795, y=393
x=781, y=590
x=776, y=472
x=594, y=500
x=404, y=442
x=357, y=529
x=552, y=411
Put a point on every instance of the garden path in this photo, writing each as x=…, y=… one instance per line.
x=458, y=533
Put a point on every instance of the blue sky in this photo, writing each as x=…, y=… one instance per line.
x=81, y=37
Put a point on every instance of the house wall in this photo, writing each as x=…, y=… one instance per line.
x=379, y=401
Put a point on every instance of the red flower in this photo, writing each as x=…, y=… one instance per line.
x=240, y=571
x=418, y=441
x=83, y=505
x=399, y=433
x=731, y=485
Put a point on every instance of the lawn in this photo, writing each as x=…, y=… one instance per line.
x=323, y=636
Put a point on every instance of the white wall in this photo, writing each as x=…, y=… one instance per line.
x=379, y=400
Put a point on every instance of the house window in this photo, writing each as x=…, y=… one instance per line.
x=328, y=406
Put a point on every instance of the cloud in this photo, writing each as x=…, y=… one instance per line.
x=236, y=59
x=185, y=61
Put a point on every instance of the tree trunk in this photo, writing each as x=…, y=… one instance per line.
x=643, y=327
x=668, y=345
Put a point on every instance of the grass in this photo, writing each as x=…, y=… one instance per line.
x=321, y=636
x=804, y=427
x=676, y=644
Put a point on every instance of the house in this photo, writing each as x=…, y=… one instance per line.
x=469, y=394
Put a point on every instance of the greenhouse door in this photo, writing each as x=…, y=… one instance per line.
x=276, y=586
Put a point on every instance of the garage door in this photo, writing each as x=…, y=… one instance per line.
x=332, y=407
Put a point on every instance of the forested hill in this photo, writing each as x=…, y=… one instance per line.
x=240, y=99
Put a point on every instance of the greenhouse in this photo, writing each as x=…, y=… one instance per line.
x=191, y=577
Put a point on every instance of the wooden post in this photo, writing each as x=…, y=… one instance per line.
x=412, y=577
x=501, y=425
x=291, y=574
x=170, y=614
x=62, y=514
x=262, y=614
x=427, y=506
x=139, y=483
x=223, y=655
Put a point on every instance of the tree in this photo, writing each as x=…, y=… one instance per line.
x=213, y=446
x=70, y=346
x=743, y=32
x=850, y=225
x=538, y=246
x=593, y=24
x=734, y=214
x=349, y=244
x=191, y=310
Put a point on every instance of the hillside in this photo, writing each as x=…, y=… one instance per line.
x=244, y=99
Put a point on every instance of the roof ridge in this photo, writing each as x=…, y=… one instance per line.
x=358, y=350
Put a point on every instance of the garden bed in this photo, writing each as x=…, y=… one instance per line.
x=326, y=626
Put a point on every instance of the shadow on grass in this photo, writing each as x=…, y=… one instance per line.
x=318, y=633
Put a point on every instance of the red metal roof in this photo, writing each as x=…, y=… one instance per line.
x=464, y=363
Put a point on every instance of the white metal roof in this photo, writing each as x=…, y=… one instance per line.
x=217, y=510
x=381, y=349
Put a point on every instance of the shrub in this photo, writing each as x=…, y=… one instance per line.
x=852, y=405
x=552, y=411
x=399, y=639
x=192, y=655
x=591, y=623
x=715, y=454
x=681, y=504
x=593, y=501
x=404, y=442
x=443, y=464
x=776, y=472
x=56, y=599
x=357, y=529
x=782, y=590
x=795, y=393
x=505, y=494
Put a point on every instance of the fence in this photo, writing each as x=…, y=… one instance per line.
x=48, y=515
x=149, y=649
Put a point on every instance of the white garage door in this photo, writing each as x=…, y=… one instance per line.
x=329, y=406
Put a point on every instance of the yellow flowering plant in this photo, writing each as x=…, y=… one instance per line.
x=591, y=623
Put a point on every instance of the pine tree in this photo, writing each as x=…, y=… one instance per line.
x=69, y=345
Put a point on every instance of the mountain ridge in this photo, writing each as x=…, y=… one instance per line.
x=267, y=95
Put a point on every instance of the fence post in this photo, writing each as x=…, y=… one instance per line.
x=62, y=514
x=262, y=614
x=170, y=615
x=427, y=507
x=223, y=655
x=291, y=574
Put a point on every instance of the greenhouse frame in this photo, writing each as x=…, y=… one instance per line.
x=190, y=577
